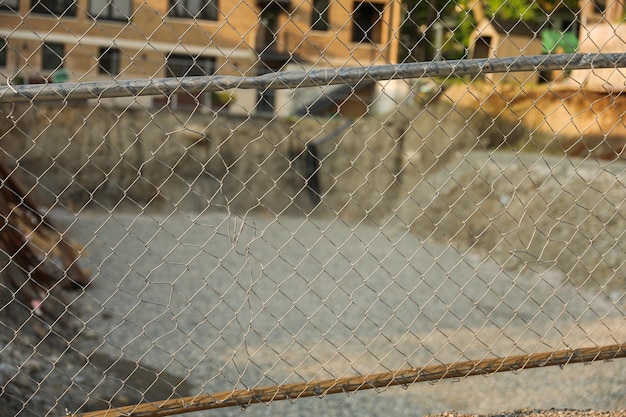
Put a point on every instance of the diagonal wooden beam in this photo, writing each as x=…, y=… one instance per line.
x=244, y=398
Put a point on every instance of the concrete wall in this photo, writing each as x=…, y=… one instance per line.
x=419, y=168
x=81, y=155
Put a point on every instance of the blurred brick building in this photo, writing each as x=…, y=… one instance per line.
x=87, y=40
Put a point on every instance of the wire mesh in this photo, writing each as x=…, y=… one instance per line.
x=215, y=204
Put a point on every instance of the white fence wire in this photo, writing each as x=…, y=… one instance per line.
x=215, y=204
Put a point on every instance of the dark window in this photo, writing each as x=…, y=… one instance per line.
x=319, y=15
x=109, y=61
x=110, y=9
x=482, y=47
x=10, y=5
x=266, y=102
x=188, y=66
x=3, y=52
x=367, y=22
x=52, y=56
x=266, y=37
x=599, y=6
x=54, y=7
x=194, y=9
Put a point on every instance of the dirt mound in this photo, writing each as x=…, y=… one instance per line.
x=528, y=210
x=560, y=119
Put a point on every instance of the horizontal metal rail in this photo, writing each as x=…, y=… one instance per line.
x=244, y=398
x=293, y=79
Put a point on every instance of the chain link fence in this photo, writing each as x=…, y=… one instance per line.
x=215, y=204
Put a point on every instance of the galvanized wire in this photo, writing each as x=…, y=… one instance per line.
x=311, y=78
x=214, y=204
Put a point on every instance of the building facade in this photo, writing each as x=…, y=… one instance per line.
x=602, y=30
x=88, y=40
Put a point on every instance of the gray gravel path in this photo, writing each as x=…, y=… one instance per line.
x=183, y=305
x=227, y=302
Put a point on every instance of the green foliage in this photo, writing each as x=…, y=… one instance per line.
x=513, y=9
x=222, y=98
x=466, y=24
x=533, y=11
x=419, y=16
x=549, y=6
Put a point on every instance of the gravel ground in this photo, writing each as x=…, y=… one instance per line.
x=313, y=298
x=541, y=413
x=182, y=304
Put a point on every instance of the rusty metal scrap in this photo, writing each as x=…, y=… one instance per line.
x=404, y=377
